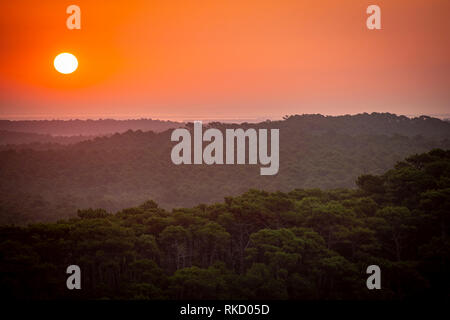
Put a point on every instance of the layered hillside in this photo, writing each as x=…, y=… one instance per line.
x=123, y=170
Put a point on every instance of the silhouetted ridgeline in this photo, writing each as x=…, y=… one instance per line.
x=304, y=244
x=125, y=169
x=86, y=127
x=23, y=140
x=375, y=123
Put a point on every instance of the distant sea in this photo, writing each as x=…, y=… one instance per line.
x=190, y=118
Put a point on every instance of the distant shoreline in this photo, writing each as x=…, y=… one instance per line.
x=181, y=119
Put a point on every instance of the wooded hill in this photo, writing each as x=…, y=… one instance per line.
x=78, y=127
x=304, y=244
x=122, y=170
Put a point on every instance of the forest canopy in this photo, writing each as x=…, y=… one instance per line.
x=49, y=181
x=301, y=244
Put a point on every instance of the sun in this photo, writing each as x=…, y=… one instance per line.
x=65, y=63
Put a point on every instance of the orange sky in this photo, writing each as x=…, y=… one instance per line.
x=224, y=59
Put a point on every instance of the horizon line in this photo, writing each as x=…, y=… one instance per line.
x=183, y=119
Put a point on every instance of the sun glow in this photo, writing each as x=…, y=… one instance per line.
x=65, y=63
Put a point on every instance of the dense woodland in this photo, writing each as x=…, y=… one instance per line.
x=43, y=181
x=303, y=244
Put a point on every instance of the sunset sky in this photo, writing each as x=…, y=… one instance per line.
x=222, y=59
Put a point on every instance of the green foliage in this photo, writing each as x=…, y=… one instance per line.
x=48, y=182
x=305, y=244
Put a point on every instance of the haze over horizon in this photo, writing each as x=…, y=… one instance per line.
x=444, y=116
